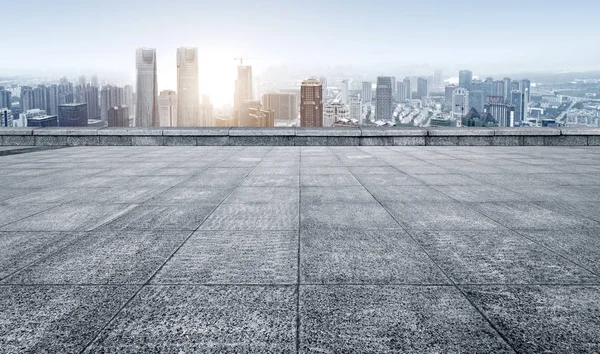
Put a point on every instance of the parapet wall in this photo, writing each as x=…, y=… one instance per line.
x=363, y=136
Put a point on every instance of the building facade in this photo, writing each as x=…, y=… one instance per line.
x=243, y=89
x=465, y=77
x=311, y=103
x=146, y=113
x=460, y=102
x=167, y=108
x=422, y=89
x=118, y=116
x=335, y=111
x=384, y=110
x=188, y=97
x=285, y=105
x=72, y=115
x=367, y=92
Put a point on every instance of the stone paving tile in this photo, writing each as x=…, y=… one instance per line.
x=14, y=213
x=161, y=217
x=481, y=193
x=19, y=249
x=339, y=194
x=234, y=257
x=104, y=258
x=434, y=215
x=7, y=193
x=325, y=171
x=420, y=193
x=543, y=319
x=258, y=216
x=344, y=215
x=48, y=196
x=56, y=319
x=386, y=319
x=70, y=217
x=364, y=256
x=447, y=179
x=580, y=246
x=328, y=180
x=190, y=195
x=264, y=195
x=526, y=215
x=202, y=319
x=500, y=257
x=274, y=180
x=387, y=179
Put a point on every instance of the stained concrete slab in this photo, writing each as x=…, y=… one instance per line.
x=56, y=319
x=386, y=319
x=337, y=194
x=264, y=195
x=190, y=195
x=339, y=215
x=538, y=319
x=234, y=257
x=104, y=258
x=364, y=257
x=161, y=217
x=14, y=213
x=259, y=216
x=204, y=319
x=499, y=257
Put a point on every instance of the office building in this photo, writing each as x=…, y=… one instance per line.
x=243, y=90
x=477, y=101
x=525, y=86
x=465, y=77
x=118, y=116
x=507, y=89
x=408, y=88
x=72, y=115
x=355, y=108
x=40, y=100
x=367, y=92
x=206, y=112
x=110, y=96
x=27, y=99
x=43, y=121
x=285, y=105
x=5, y=99
x=6, y=118
x=95, y=82
x=21, y=122
x=167, y=108
x=422, y=89
x=244, y=119
x=324, y=87
x=335, y=111
x=188, y=97
x=495, y=106
x=401, y=92
x=311, y=103
x=460, y=102
x=448, y=92
x=345, y=89
x=438, y=78
x=520, y=101
x=53, y=100
x=146, y=112
x=384, y=109
x=260, y=117
x=393, y=79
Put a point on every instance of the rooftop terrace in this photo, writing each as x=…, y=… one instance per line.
x=300, y=249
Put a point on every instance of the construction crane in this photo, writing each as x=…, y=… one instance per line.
x=241, y=59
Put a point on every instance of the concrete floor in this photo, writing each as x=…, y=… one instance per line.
x=290, y=249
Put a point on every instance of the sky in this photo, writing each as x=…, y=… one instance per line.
x=41, y=36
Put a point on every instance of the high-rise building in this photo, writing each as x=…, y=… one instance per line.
x=498, y=109
x=5, y=99
x=82, y=81
x=128, y=99
x=384, y=109
x=477, y=101
x=401, y=92
x=335, y=111
x=367, y=92
x=188, y=97
x=393, y=78
x=448, y=92
x=110, y=96
x=244, y=119
x=324, y=86
x=53, y=100
x=525, y=86
x=408, y=88
x=422, y=90
x=355, y=108
x=260, y=117
x=520, y=101
x=43, y=121
x=72, y=115
x=24, y=117
x=6, y=118
x=243, y=90
x=497, y=88
x=507, y=89
x=167, y=108
x=438, y=77
x=146, y=113
x=311, y=103
x=460, y=102
x=465, y=77
x=118, y=116
x=345, y=89
x=285, y=105
x=95, y=82
x=27, y=98
x=206, y=112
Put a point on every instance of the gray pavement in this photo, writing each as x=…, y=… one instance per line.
x=300, y=249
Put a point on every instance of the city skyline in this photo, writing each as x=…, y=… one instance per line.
x=437, y=35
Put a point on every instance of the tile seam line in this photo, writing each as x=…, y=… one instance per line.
x=477, y=309
x=299, y=245
x=141, y=287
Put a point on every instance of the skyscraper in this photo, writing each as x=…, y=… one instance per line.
x=345, y=91
x=53, y=100
x=520, y=101
x=188, y=97
x=401, y=92
x=383, y=97
x=6, y=118
x=507, y=89
x=95, y=81
x=167, y=108
x=438, y=77
x=72, y=115
x=367, y=92
x=118, y=116
x=422, y=90
x=5, y=99
x=27, y=98
x=146, y=113
x=497, y=88
x=408, y=88
x=448, y=92
x=477, y=100
x=465, y=77
x=206, y=112
x=243, y=90
x=525, y=86
x=460, y=102
x=334, y=111
x=311, y=103
x=285, y=105
x=498, y=109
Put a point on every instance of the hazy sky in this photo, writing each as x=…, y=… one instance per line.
x=101, y=36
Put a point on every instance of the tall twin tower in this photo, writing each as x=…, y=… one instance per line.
x=188, y=98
